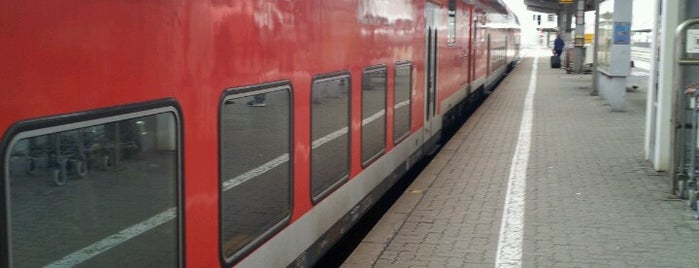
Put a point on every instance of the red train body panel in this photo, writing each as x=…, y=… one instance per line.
x=64, y=60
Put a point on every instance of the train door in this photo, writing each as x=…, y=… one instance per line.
x=487, y=60
x=505, y=52
x=463, y=37
x=431, y=69
x=473, y=43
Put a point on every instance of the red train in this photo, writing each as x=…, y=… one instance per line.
x=247, y=133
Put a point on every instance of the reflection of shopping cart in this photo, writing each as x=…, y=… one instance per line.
x=61, y=153
x=20, y=156
x=76, y=152
x=67, y=155
x=128, y=141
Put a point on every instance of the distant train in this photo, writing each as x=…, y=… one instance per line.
x=248, y=133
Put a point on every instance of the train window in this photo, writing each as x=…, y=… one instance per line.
x=330, y=104
x=373, y=113
x=255, y=163
x=401, y=103
x=451, y=23
x=98, y=193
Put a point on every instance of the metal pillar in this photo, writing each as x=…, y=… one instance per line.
x=561, y=20
x=564, y=18
x=579, y=37
x=615, y=68
x=595, y=73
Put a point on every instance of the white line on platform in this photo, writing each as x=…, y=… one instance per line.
x=509, y=252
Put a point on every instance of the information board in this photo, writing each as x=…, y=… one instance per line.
x=622, y=33
x=693, y=41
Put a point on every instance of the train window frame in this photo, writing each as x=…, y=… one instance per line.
x=228, y=97
x=372, y=69
x=344, y=177
x=409, y=64
x=53, y=124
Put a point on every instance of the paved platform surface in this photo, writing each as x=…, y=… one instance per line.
x=591, y=200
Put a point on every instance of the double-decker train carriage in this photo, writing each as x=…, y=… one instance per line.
x=247, y=133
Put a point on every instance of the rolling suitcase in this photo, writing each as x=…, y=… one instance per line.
x=555, y=61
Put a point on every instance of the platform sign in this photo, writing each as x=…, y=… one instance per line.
x=693, y=41
x=588, y=38
x=566, y=1
x=622, y=33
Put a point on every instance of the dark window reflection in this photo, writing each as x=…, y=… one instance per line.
x=255, y=167
x=102, y=195
x=373, y=113
x=329, y=134
x=401, y=104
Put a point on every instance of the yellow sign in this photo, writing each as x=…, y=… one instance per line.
x=566, y=1
x=588, y=38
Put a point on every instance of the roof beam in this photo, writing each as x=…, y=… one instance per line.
x=549, y=4
x=542, y=9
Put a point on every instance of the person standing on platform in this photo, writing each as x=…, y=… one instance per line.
x=558, y=45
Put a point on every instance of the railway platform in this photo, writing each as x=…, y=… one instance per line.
x=567, y=176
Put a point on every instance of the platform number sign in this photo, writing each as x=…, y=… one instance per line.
x=693, y=41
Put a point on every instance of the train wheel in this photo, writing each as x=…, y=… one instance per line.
x=59, y=177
